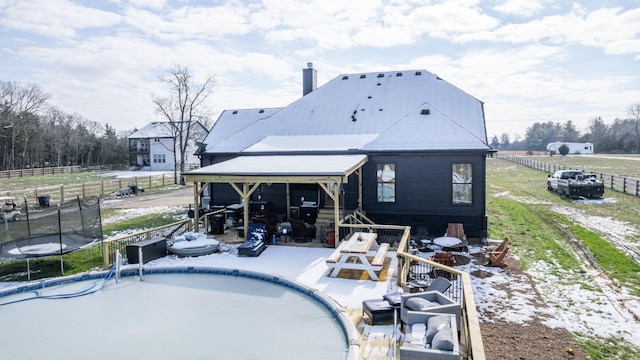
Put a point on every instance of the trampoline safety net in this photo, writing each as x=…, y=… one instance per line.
x=54, y=230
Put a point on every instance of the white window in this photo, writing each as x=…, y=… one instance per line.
x=461, y=180
x=159, y=158
x=386, y=176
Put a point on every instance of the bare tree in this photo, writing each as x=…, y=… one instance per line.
x=634, y=112
x=18, y=104
x=185, y=105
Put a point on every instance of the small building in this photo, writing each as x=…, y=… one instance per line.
x=151, y=148
x=574, y=148
x=402, y=147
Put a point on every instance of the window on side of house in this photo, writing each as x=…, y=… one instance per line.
x=462, y=183
x=386, y=177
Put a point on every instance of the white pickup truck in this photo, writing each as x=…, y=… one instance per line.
x=575, y=184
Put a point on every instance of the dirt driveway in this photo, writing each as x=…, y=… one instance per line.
x=176, y=197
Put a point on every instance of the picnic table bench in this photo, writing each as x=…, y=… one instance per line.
x=352, y=254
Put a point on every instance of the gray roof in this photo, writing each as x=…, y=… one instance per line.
x=159, y=129
x=285, y=165
x=380, y=111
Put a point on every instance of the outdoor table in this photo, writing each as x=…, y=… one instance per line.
x=358, y=246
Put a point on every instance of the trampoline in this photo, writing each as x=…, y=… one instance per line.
x=51, y=231
x=174, y=313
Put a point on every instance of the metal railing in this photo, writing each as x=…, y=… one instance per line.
x=111, y=246
x=618, y=183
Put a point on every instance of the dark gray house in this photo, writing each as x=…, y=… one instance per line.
x=403, y=147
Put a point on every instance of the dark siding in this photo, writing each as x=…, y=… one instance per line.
x=423, y=192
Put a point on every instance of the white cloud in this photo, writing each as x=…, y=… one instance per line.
x=540, y=61
x=149, y=4
x=59, y=19
x=525, y=8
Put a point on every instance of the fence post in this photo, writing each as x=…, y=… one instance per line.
x=624, y=184
x=102, y=189
x=105, y=253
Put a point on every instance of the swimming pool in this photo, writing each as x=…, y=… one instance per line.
x=174, y=313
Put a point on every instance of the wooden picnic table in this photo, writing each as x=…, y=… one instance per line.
x=360, y=243
x=352, y=254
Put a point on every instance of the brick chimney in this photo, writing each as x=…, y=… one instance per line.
x=309, y=81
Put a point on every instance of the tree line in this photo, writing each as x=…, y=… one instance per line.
x=621, y=136
x=34, y=133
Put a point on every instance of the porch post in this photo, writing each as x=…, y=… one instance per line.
x=245, y=202
x=196, y=210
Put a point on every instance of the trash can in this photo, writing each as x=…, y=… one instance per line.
x=43, y=200
x=216, y=224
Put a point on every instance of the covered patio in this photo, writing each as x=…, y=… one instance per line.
x=245, y=174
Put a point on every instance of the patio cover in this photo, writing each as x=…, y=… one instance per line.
x=328, y=171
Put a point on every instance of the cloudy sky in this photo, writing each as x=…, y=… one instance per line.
x=527, y=60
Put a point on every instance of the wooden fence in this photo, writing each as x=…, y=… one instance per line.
x=102, y=189
x=618, y=183
x=12, y=174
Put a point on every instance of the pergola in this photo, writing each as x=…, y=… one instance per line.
x=246, y=173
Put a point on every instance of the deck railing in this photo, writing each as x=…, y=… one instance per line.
x=412, y=267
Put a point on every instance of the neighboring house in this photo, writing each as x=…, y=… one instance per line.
x=151, y=148
x=404, y=147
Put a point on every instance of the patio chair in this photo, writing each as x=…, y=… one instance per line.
x=440, y=284
x=499, y=248
x=302, y=232
x=432, y=329
x=496, y=258
x=414, y=304
x=255, y=243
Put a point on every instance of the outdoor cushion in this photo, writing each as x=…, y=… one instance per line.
x=418, y=331
x=443, y=340
x=435, y=323
x=419, y=304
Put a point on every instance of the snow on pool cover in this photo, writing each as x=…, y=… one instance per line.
x=167, y=315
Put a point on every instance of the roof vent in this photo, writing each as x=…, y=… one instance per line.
x=261, y=111
x=418, y=73
x=345, y=77
x=398, y=74
x=369, y=97
x=235, y=112
x=363, y=76
x=380, y=75
x=425, y=112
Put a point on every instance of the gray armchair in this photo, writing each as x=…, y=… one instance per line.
x=436, y=302
x=445, y=346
